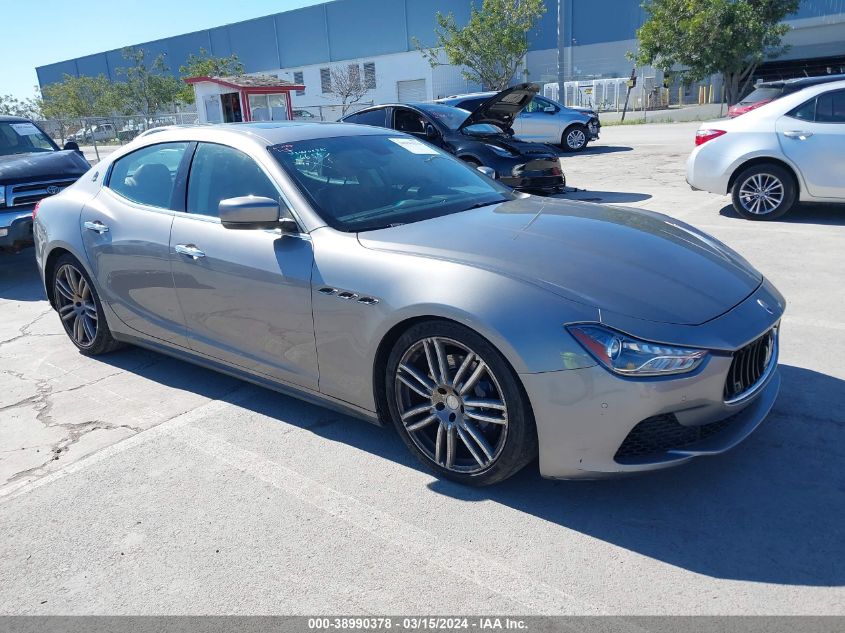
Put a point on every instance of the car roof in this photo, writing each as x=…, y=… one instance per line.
x=800, y=82
x=8, y=118
x=269, y=132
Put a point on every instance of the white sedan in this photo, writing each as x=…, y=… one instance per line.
x=792, y=149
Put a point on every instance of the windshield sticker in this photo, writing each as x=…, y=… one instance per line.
x=414, y=146
x=25, y=129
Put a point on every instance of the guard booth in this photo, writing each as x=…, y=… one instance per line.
x=243, y=98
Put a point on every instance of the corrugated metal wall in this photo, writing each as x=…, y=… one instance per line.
x=344, y=29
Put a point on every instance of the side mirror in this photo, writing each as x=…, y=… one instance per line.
x=431, y=132
x=249, y=212
x=487, y=171
x=71, y=145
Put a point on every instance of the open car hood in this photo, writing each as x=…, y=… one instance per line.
x=501, y=109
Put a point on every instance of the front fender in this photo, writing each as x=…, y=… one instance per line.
x=524, y=322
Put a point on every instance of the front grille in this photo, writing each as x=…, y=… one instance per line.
x=749, y=365
x=32, y=192
x=660, y=433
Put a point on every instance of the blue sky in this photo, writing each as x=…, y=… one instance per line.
x=40, y=32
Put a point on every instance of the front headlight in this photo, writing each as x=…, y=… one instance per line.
x=626, y=355
x=501, y=151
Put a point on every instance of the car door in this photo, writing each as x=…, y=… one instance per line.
x=812, y=136
x=126, y=233
x=538, y=122
x=245, y=294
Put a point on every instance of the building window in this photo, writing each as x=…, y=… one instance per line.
x=325, y=80
x=354, y=75
x=299, y=80
x=370, y=75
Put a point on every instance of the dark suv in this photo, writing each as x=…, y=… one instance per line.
x=32, y=167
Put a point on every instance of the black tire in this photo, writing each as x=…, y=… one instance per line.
x=767, y=178
x=74, y=314
x=575, y=138
x=515, y=442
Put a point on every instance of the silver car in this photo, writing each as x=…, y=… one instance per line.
x=542, y=120
x=368, y=271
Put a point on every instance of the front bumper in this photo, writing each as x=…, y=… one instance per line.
x=585, y=415
x=16, y=227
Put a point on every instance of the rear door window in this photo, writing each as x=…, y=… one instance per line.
x=830, y=107
x=147, y=176
x=370, y=117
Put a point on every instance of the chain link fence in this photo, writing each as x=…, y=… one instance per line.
x=104, y=132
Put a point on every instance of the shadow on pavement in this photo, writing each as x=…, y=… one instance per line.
x=769, y=511
x=599, y=149
x=804, y=213
x=19, y=278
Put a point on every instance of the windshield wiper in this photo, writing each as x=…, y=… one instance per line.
x=378, y=227
x=478, y=205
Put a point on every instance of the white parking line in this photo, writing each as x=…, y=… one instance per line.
x=489, y=574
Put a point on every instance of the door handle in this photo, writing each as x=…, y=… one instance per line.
x=190, y=250
x=97, y=227
x=799, y=134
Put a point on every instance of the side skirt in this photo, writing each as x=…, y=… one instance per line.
x=300, y=393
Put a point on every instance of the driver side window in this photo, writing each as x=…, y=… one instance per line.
x=408, y=121
x=219, y=172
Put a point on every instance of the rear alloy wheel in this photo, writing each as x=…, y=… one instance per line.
x=574, y=138
x=763, y=192
x=79, y=308
x=457, y=404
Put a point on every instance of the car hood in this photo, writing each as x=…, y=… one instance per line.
x=41, y=166
x=630, y=262
x=503, y=107
x=515, y=145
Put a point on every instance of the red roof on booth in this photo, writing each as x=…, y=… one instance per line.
x=261, y=83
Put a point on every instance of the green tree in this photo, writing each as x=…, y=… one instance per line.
x=148, y=87
x=492, y=44
x=205, y=65
x=28, y=108
x=730, y=37
x=76, y=97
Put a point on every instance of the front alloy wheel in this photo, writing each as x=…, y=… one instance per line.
x=456, y=404
x=575, y=138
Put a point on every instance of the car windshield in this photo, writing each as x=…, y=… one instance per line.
x=369, y=182
x=453, y=118
x=22, y=137
x=762, y=94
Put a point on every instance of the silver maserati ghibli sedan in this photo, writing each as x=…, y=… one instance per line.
x=368, y=271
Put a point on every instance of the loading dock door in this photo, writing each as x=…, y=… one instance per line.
x=412, y=90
